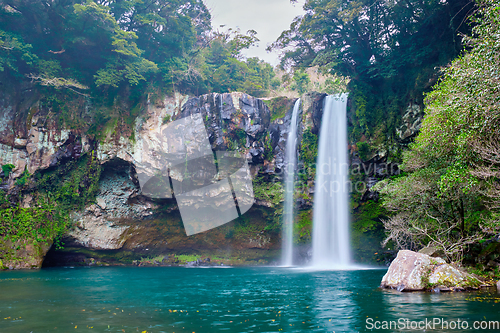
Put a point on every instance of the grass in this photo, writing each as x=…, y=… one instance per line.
x=152, y=260
x=185, y=258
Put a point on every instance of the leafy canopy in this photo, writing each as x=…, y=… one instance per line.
x=388, y=49
x=451, y=196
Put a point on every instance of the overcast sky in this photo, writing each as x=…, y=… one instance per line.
x=268, y=17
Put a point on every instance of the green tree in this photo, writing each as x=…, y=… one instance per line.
x=102, y=48
x=301, y=81
x=388, y=49
x=450, y=198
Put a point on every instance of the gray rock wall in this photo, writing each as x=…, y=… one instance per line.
x=234, y=121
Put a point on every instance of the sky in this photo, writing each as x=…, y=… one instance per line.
x=268, y=17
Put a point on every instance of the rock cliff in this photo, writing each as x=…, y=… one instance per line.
x=120, y=218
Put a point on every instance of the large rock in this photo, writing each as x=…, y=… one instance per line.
x=102, y=226
x=22, y=254
x=412, y=271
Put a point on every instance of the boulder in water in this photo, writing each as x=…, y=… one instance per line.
x=412, y=271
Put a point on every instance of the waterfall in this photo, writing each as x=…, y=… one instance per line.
x=331, y=218
x=291, y=166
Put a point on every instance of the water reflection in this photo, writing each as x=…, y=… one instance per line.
x=333, y=304
x=213, y=300
x=441, y=309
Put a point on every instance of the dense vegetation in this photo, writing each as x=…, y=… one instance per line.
x=95, y=52
x=100, y=48
x=388, y=49
x=449, y=197
x=38, y=212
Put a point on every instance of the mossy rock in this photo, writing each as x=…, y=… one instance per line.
x=279, y=106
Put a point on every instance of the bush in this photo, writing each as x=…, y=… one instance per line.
x=363, y=150
x=7, y=169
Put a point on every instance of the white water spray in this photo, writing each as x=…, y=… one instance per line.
x=291, y=166
x=331, y=218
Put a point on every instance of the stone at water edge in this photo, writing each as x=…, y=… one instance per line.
x=412, y=271
x=498, y=286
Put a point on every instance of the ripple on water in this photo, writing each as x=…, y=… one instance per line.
x=175, y=299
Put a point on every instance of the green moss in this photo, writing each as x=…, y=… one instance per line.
x=152, y=260
x=241, y=137
x=367, y=216
x=41, y=223
x=278, y=106
x=111, y=127
x=68, y=187
x=3, y=198
x=268, y=148
x=269, y=191
x=166, y=119
x=29, y=117
x=303, y=226
x=21, y=181
x=7, y=169
x=490, y=274
x=74, y=183
x=425, y=279
x=133, y=114
x=308, y=154
x=185, y=258
x=367, y=232
x=363, y=150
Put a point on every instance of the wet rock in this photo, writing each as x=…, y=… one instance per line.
x=492, y=263
x=17, y=157
x=101, y=203
x=446, y=275
x=198, y=263
x=412, y=271
x=260, y=242
x=256, y=155
x=32, y=254
x=411, y=122
x=20, y=143
x=100, y=226
x=233, y=120
x=432, y=251
x=313, y=102
x=281, y=132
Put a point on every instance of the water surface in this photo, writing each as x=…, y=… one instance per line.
x=177, y=299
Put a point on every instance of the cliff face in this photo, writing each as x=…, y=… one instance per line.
x=121, y=219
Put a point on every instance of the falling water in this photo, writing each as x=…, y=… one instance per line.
x=331, y=218
x=291, y=163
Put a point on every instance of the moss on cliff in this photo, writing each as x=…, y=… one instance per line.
x=268, y=190
x=303, y=227
x=36, y=213
x=279, y=106
x=367, y=233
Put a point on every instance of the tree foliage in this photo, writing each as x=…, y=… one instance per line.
x=451, y=196
x=103, y=46
x=389, y=49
